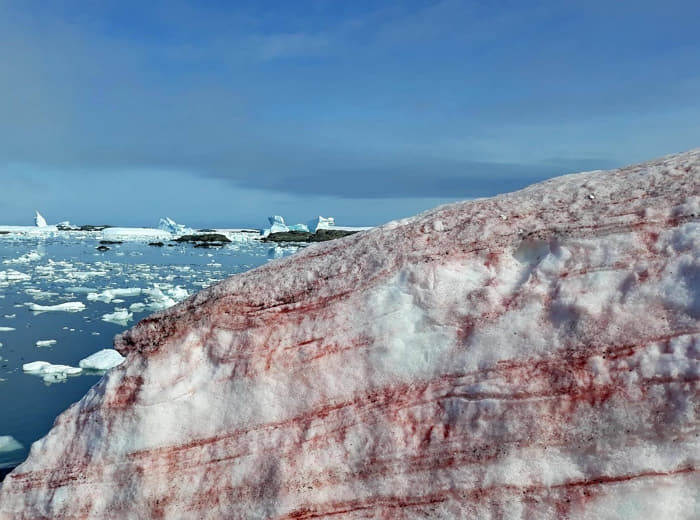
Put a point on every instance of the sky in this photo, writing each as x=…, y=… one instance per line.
x=220, y=113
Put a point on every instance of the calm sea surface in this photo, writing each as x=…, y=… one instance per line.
x=68, y=268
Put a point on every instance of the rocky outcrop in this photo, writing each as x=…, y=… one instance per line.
x=534, y=355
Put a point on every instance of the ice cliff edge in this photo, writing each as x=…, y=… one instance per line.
x=533, y=355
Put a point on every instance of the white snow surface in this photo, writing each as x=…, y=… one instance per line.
x=104, y=359
x=529, y=356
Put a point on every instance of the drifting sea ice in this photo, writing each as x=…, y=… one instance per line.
x=49, y=372
x=45, y=342
x=102, y=360
x=118, y=317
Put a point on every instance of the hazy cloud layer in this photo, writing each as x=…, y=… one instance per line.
x=424, y=99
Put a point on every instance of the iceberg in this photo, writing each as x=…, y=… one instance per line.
x=169, y=225
x=485, y=359
x=320, y=223
x=39, y=221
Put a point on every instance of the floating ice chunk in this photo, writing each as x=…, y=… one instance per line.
x=110, y=294
x=161, y=297
x=6, y=329
x=102, y=360
x=67, y=307
x=137, y=307
x=45, y=342
x=118, y=317
x=49, y=372
x=11, y=276
x=39, y=221
x=169, y=225
x=26, y=258
x=9, y=443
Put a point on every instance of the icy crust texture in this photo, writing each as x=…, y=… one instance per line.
x=533, y=355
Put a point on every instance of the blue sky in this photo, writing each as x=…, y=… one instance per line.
x=220, y=113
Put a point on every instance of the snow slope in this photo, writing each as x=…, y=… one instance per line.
x=533, y=355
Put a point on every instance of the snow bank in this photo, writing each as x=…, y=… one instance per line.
x=529, y=356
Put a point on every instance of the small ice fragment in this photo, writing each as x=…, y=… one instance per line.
x=9, y=443
x=6, y=329
x=102, y=360
x=45, y=342
x=119, y=317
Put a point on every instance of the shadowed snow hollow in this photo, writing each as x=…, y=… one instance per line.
x=534, y=355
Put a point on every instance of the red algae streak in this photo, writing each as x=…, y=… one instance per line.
x=531, y=356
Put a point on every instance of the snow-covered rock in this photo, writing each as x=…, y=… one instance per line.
x=320, y=223
x=104, y=359
x=169, y=225
x=39, y=221
x=533, y=355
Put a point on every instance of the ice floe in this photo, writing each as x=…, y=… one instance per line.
x=103, y=360
x=138, y=234
x=6, y=329
x=66, y=307
x=45, y=342
x=49, y=372
x=118, y=317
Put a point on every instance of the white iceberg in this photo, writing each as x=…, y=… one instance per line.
x=67, y=307
x=26, y=258
x=169, y=225
x=320, y=223
x=9, y=443
x=45, y=342
x=39, y=221
x=49, y=372
x=102, y=360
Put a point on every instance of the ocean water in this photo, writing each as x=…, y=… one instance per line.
x=67, y=268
